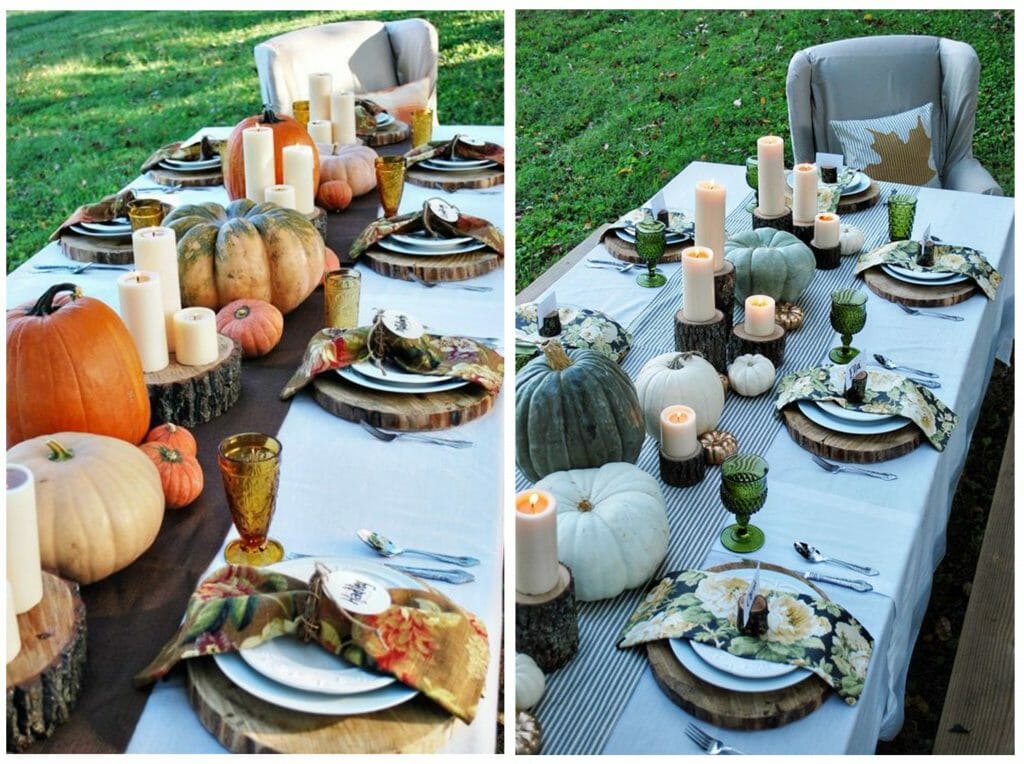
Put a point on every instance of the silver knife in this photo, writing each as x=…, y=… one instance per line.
x=850, y=583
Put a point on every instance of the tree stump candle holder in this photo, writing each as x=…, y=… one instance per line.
x=782, y=222
x=772, y=346
x=546, y=626
x=318, y=217
x=804, y=232
x=709, y=338
x=826, y=259
x=191, y=395
x=725, y=292
x=682, y=472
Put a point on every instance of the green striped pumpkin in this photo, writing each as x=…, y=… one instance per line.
x=575, y=411
x=248, y=251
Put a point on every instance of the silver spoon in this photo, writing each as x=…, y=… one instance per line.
x=451, y=575
x=893, y=366
x=812, y=554
x=387, y=548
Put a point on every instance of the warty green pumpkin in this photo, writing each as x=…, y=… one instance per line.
x=247, y=251
x=775, y=263
x=575, y=410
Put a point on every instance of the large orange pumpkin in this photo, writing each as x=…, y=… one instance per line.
x=287, y=132
x=72, y=366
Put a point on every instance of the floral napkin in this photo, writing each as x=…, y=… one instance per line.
x=946, y=257
x=366, y=115
x=423, y=639
x=204, y=149
x=803, y=630
x=888, y=392
x=581, y=328
x=436, y=216
x=459, y=146
x=428, y=354
x=106, y=209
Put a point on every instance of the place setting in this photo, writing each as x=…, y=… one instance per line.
x=462, y=162
x=631, y=238
x=571, y=325
x=840, y=188
x=376, y=126
x=100, y=233
x=197, y=164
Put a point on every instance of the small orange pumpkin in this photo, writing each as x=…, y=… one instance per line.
x=181, y=475
x=352, y=163
x=334, y=195
x=175, y=436
x=254, y=324
x=287, y=132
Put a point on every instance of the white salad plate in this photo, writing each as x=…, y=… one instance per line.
x=819, y=417
x=353, y=376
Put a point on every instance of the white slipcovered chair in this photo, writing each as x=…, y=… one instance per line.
x=361, y=56
x=870, y=77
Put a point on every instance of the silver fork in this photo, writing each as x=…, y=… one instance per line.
x=432, y=284
x=387, y=437
x=933, y=314
x=709, y=744
x=621, y=267
x=834, y=468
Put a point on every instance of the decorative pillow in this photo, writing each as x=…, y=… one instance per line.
x=401, y=100
x=896, y=148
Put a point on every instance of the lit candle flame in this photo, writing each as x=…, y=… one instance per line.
x=534, y=498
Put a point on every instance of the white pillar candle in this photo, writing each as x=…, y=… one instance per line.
x=536, y=542
x=24, y=570
x=258, y=158
x=320, y=130
x=320, y=87
x=771, y=193
x=826, y=230
x=709, y=220
x=343, y=115
x=679, y=431
x=13, y=635
x=195, y=333
x=698, y=284
x=297, y=166
x=138, y=294
x=155, y=249
x=805, y=193
x=282, y=195
x=759, y=315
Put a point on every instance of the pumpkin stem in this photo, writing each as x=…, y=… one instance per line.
x=269, y=117
x=169, y=454
x=681, y=358
x=584, y=505
x=242, y=312
x=44, y=305
x=557, y=358
x=58, y=452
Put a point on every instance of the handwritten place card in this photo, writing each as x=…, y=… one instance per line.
x=356, y=593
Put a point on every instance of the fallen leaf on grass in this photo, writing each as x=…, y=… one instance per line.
x=624, y=171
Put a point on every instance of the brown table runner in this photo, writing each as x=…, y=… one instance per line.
x=131, y=614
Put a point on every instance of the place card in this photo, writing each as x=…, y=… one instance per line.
x=657, y=205
x=823, y=159
x=852, y=370
x=547, y=316
x=355, y=593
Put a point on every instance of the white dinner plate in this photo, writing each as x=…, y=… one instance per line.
x=851, y=415
x=923, y=279
x=430, y=251
x=356, y=378
x=108, y=227
x=396, y=376
x=630, y=237
x=819, y=417
x=859, y=182
x=425, y=240
x=460, y=162
x=119, y=233
x=193, y=164
x=430, y=164
x=685, y=654
x=384, y=118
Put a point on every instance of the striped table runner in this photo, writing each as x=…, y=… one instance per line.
x=584, y=699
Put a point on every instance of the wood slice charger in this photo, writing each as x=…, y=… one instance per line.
x=735, y=710
x=394, y=132
x=245, y=724
x=432, y=268
x=44, y=680
x=191, y=395
x=94, y=249
x=859, y=449
x=626, y=252
x=453, y=181
x=917, y=295
x=167, y=177
x=866, y=199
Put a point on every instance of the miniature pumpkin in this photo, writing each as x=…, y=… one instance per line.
x=612, y=527
x=718, y=446
x=575, y=410
x=789, y=316
x=775, y=263
x=351, y=163
x=334, y=195
x=72, y=365
x=181, y=476
x=99, y=502
x=529, y=682
x=527, y=734
x=255, y=325
x=680, y=378
x=751, y=375
x=175, y=436
x=247, y=251
x=851, y=239
x=287, y=132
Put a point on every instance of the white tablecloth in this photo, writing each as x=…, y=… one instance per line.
x=897, y=527
x=418, y=494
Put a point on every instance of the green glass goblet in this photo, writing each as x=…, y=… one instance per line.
x=902, y=208
x=848, y=316
x=744, y=490
x=650, y=245
x=751, y=165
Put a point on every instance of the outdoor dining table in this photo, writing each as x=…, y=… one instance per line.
x=606, y=700
x=336, y=478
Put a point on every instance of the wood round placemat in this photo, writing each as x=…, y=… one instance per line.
x=626, y=252
x=442, y=268
x=453, y=181
x=396, y=132
x=914, y=295
x=245, y=724
x=866, y=199
x=191, y=395
x=419, y=412
x=859, y=449
x=95, y=249
x=165, y=177
x=735, y=710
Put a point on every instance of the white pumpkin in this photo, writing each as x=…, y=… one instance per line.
x=751, y=375
x=851, y=239
x=612, y=526
x=529, y=682
x=680, y=378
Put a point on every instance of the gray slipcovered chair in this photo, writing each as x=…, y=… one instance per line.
x=361, y=56
x=869, y=77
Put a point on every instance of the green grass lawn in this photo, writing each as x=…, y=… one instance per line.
x=612, y=104
x=91, y=94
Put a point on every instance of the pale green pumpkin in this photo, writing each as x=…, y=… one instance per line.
x=770, y=262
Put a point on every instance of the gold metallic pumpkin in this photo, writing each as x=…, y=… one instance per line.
x=718, y=445
x=789, y=316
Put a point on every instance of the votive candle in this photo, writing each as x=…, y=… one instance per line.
x=826, y=230
x=709, y=219
x=805, y=193
x=343, y=115
x=320, y=87
x=679, y=431
x=320, y=130
x=155, y=249
x=536, y=542
x=258, y=159
x=13, y=635
x=138, y=294
x=282, y=195
x=698, y=284
x=195, y=331
x=759, y=315
x=771, y=195
x=24, y=570
x=297, y=168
